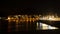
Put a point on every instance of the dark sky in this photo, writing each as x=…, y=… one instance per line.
x=28, y=7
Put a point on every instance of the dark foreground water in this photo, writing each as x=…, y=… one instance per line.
x=5, y=26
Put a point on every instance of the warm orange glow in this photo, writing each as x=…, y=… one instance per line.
x=9, y=18
x=23, y=18
x=29, y=18
x=50, y=18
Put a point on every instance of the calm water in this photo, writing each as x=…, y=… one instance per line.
x=13, y=26
x=5, y=26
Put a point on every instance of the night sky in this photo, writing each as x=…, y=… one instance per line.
x=28, y=7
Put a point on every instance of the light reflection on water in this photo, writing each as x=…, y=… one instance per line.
x=28, y=26
x=42, y=26
x=22, y=26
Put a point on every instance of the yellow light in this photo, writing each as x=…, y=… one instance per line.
x=50, y=18
x=8, y=17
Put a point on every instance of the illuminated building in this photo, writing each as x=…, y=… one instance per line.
x=30, y=19
x=23, y=18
